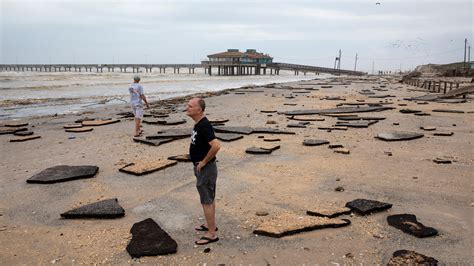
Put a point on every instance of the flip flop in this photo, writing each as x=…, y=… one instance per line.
x=208, y=240
x=139, y=134
x=203, y=228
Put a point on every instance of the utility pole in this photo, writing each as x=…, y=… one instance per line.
x=465, y=48
x=469, y=56
x=339, y=61
x=355, y=65
x=372, y=67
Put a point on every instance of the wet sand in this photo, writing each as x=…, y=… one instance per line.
x=294, y=178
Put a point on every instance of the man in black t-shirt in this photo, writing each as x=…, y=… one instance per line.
x=202, y=151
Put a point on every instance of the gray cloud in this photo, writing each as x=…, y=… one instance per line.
x=306, y=32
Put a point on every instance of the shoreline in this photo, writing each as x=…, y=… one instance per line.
x=70, y=103
x=87, y=109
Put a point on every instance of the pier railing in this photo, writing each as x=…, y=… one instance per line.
x=433, y=85
x=286, y=66
x=96, y=67
x=449, y=88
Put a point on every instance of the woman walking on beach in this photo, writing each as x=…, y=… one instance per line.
x=136, y=97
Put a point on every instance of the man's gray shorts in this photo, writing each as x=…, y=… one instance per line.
x=206, y=182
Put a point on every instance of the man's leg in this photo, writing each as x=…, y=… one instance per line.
x=206, y=184
x=137, y=126
x=210, y=214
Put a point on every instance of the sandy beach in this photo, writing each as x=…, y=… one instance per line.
x=292, y=179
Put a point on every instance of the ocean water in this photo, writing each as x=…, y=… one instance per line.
x=25, y=94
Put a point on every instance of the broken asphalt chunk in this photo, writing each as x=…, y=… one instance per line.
x=296, y=125
x=228, y=136
x=410, y=225
x=79, y=130
x=99, y=122
x=290, y=224
x=11, y=130
x=399, y=136
x=218, y=120
x=72, y=125
x=172, y=133
x=442, y=161
x=62, y=173
x=335, y=146
x=355, y=124
x=125, y=114
x=237, y=130
x=333, y=98
x=152, y=142
x=382, y=96
x=270, y=147
x=146, y=167
x=25, y=138
x=328, y=211
x=171, y=122
x=350, y=118
x=265, y=130
x=448, y=111
x=148, y=239
x=104, y=209
x=315, y=142
x=180, y=158
x=365, y=207
x=302, y=118
x=342, y=150
x=451, y=100
x=408, y=257
x=258, y=150
x=271, y=139
x=428, y=128
x=23, y=133
x=409, y=111
x=422, y=114
x=445, y=134
x=15, y=124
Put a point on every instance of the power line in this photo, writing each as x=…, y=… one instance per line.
x=303, y=59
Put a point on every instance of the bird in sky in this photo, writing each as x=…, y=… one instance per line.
x=378, y=3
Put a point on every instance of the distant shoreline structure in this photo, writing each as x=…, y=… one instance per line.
x=230, y=63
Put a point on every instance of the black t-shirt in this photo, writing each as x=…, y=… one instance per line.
x=203, y=133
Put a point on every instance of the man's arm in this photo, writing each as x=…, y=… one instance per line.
x=144, y=99
x=215, y=147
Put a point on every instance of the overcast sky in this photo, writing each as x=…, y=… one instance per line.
x=390, y=34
